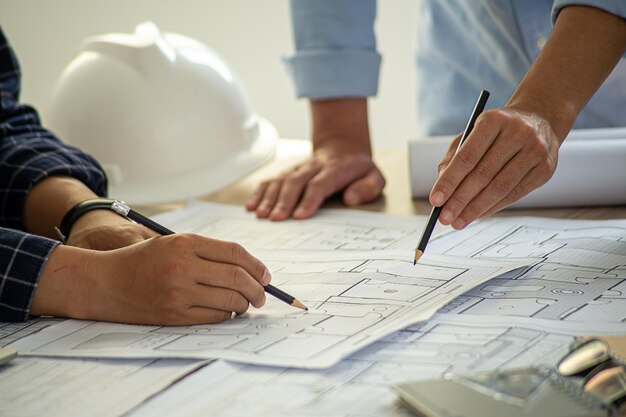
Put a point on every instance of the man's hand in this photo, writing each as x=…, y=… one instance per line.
x=302, y=190
x=106, y=230
x=341, y=162
x=508, y=154
x=180, y=279
x=513, y=150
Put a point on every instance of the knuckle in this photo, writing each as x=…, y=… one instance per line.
x=484, y=173
x=537, y=147
x=503, y=186
x=472, y=211
x=443, y=164
x=465, y=157
x=445, y=184
x=238, y=276
x=236, y=250
x=491, y=116
x=458, y=201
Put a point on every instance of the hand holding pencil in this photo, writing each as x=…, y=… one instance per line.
x=436, y=211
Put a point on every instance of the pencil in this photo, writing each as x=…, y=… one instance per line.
x=137, y=217
x=436, y=211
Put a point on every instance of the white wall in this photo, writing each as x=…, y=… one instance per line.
x=251, y=35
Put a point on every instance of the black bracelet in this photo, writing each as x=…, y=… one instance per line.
x=63, y=230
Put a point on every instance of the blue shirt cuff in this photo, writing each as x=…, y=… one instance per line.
x=327, y=74
x=616, y=7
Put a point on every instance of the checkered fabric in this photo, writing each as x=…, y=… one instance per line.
x=28, y=154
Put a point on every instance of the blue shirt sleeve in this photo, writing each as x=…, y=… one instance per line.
x=28, y=154
x=616, y=7
x=335, y=48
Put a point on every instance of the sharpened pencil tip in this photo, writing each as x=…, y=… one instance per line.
x=298, y=303
x=418, y=255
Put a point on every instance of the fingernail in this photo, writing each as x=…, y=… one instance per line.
x=458, y=224
x=352, y=199
x=438, y=198
x=446, y=216
x=267, y=277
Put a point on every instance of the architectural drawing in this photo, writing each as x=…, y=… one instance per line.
x=581, y=277
x=11, y=332
x=328, y=230
x=83, y=387
x=360, y=385
x=355, y=298
x=32, y=386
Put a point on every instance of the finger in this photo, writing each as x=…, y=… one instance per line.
x=291, y=191
x=199, y=315
x=255, y=199
x=231, y=277
x=486, y=130
x=269, y=198
x=230, y=253
x=364, y=189
x=327, y=182
x=218, y=298
x=449, y=154
x=500, y=187
x=489, y=167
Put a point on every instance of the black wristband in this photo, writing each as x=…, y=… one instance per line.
x=63, y=230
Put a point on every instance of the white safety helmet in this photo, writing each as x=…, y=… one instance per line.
x=162, y=113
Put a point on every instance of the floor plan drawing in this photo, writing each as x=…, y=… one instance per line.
x=355, y=298
x=11, y=332
x=328, y=230
x=582, y=274
x=360, y=385
x=84, y=387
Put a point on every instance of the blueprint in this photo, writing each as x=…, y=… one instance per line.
x=330, y=229
x=360, y=385
x=31, y=386
x=582, y=275
x=11, y=332
x=83, y=387
x=354, y=299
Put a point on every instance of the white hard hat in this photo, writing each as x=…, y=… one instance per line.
x=163, y=114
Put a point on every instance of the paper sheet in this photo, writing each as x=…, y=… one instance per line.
x=355, y=298
x=31, y=386
x=329, y=229
x=582, y=275
x=360, y=384
x=591, y=170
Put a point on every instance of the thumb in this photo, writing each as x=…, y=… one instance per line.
x=364, y=189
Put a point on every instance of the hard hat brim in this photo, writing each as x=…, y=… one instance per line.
x=204, y=181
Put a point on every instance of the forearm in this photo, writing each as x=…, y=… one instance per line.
x=584, y=47
x=341, y=124
x=49, y=200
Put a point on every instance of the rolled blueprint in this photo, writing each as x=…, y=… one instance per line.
x=591, y=170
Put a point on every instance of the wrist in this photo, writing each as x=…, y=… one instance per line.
x=66, y=282
x=340, y=126
x=86, y=212
x=49, y=200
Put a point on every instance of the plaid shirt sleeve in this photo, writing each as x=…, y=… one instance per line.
x=28, y=154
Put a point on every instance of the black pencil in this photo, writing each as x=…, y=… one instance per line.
x=137, y=217
x=436, y=211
